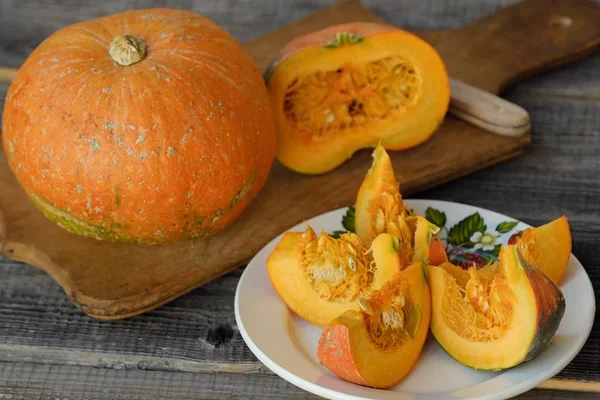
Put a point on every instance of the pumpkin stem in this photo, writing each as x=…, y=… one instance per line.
x=127, y=50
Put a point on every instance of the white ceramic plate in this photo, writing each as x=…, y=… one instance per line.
x=287, y=344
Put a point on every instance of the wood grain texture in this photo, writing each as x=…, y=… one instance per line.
x=120, y=280
x=27, y=381
x=21, y=381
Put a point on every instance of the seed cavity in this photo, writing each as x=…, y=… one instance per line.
x=355, y=95
x=478, y=311
x=331, y=268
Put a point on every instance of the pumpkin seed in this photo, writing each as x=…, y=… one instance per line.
x=379, y=221
x=365, y=306
x=352, y=263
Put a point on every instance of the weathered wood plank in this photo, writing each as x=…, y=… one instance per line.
x=578, y=80
x=557, y=174
x=30, y=381
x=20, y=381
x=194, y=333
x=24, y=24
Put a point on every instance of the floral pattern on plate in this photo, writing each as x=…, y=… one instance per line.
x=471, y=241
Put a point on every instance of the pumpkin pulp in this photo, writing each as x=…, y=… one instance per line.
x=379, y=345
x=320, y=277
x=351, y=86
x=380, y=209
x=494, y=317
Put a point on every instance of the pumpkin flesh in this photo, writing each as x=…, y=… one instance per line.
x=548, y=247
x=495, y=317
x=379, y=346
x=351, y=86
x=319, y=278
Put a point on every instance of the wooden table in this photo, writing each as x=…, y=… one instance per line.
x=190, y=348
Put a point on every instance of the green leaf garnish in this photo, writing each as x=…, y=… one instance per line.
x=507, y=226
x=436, y=217
x=348, y=219
x=460, y=234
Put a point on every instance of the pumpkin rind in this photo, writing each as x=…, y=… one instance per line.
x=295, y=281
x=169, y=148
x=401, y=104
x=348, y=348
x=535, y=308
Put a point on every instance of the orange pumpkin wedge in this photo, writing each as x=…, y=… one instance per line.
x=320, y=278
x=352, y=86
x=379, y=345
x=548, y=247
x=495, y=317
x=380, y=209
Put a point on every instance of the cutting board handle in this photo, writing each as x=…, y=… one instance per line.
x=518, y=41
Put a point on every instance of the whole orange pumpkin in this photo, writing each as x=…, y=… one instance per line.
x=147, y=126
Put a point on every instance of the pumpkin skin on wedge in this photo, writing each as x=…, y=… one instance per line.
x=380, y=209
x=351, y=86
x=379, y=346
x=320, y=278
x=548, y=247
x=501, y=316
x=437, y=253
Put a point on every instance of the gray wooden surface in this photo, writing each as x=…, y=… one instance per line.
x=190, y=348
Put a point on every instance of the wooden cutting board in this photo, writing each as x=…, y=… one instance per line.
x=112, y=280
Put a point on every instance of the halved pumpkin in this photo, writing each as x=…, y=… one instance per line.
x=497, y=316
x=320, y=278
x=548, y=247
x=379, y=345
x=380, y=209
x=352, y=86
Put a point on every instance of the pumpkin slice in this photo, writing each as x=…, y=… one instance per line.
x=548, y=247
x=379, y=200
x=320, y=278
x=380, y=209
x=495, y=317
x=379, y=345
x=351, y=86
